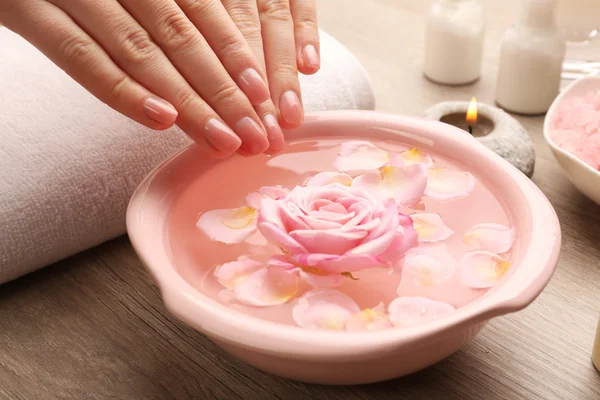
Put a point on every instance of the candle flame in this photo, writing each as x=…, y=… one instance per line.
x=472, y=112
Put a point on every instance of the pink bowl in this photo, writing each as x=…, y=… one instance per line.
x=354, y=357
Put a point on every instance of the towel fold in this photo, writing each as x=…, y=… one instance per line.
x=69, y=163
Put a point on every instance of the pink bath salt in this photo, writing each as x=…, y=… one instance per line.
x=568, y=136
x=591, y=151
x=577, y=128
x=593, y=98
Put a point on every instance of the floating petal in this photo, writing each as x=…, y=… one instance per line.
x=482, y=269
x=403, y=184
x=407, y=311
x=267, y=286
x=491, y=237
x=443, y=184
x=228, y=225
x=229, y=274
x=319, y=279
x=324, y=309
x=254, y=199
x=430, y=227
x=325, y=178
x=360, y=157
x=429, y=264
x=338, y=264
x=369, y=319
x=414, y=156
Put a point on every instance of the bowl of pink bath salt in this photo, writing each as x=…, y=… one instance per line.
x=372, y=247
x=572, y=130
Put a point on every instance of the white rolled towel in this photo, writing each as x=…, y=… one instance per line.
x=69, y=163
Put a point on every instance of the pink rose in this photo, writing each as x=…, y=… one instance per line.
x=336, y=228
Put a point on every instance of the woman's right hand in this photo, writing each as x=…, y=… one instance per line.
x=161, y=62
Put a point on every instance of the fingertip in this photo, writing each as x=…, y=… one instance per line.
x=291, y=111
x=274, y=134
x=310, y=60
x=160, y=111
x=221, y=138
x=254, y=138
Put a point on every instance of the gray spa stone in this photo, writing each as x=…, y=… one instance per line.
x=508, y=139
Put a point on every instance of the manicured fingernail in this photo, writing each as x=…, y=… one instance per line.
x=253, y=137
x=160, y=110
x=291, y=109
x=220, y=136
x=253, y=85
x=311, y=57
x=274, y=133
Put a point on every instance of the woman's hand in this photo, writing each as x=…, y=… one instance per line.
x=162, y=62
x=283, y=35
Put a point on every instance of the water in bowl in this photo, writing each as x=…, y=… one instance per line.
x=227, y=184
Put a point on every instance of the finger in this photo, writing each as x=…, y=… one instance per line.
x=228, y=43
x=190, y=53
x=306, y=32
x=130, y=46
x=280, y=59
x=66, y=44
x=245, y=16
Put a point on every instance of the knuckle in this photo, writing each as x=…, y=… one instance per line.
x=224, y=93
x=246, y=21
x=137, y=46
x=178, y=31
x=119, y=87
x=306, y=24
x=275, y=10
x=196, y=6
x=185, y=98
x=77, y=50
x=230, y=45
x=286, y=71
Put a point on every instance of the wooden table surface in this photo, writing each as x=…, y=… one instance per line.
x=94, y=327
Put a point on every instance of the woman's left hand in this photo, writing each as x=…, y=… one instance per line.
x=283, y=35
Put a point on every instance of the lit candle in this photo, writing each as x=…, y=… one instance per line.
x=472, y=114
x=492, y=127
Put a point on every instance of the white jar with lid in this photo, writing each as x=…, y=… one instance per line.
x=454, y=41
x=531, y=60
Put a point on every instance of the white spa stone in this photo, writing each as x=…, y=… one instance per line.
x=508, y=138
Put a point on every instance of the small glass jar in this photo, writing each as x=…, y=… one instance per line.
x=454, y=41
x=531, y=59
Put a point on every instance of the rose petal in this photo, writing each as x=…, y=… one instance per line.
x=414, y=156
x=281, y=239
x=324, y=309
x=321, y=280
x=482, y=269
x=338, y=264
x=404, y=185
x=254, y=199
x=326, y=178
x=369, y=319
x=332, y=241
x=429, y=264
x=443, y=184
x=267, y=286
x=270, y=211
x=491, y=237
x=360, y=156
x=229, y=225
x=256, y=239
x=430, y=227
x=407, y=311
x=229, y=274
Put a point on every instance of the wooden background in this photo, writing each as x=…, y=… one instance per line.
x=94, y=327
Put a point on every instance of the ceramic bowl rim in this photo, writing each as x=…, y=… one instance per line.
x=550, y=116
x=192, y=307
